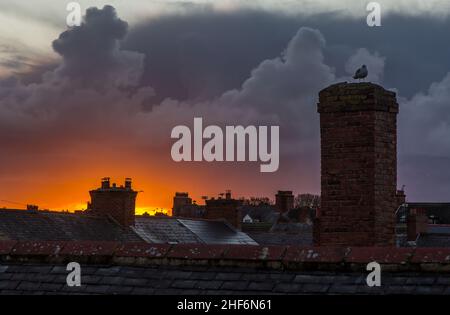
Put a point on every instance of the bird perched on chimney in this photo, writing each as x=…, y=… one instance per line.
x=361, y=73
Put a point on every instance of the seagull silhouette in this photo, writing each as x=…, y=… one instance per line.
x=361, y=73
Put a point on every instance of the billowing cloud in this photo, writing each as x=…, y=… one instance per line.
x=91, y=54
x=424, y=149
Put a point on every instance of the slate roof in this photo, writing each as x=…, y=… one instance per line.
x=163, y=230
x=285, y=233
x=58, y=226
x=436, y=236
x=141, y=268
x=42, y=279
x=187, y=231
x=217, y=232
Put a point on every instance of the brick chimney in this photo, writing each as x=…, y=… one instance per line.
x=115, y=202
x=358, y=126
x=284, y=201
x=227, y=209
x=417, y=223
x=180, y=200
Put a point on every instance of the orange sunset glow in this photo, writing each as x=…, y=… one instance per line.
x=64, y=184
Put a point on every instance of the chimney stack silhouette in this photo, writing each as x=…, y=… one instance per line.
x=115, y=202
x=358, y=128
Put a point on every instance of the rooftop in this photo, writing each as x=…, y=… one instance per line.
x=142, y=268
x=85, y=226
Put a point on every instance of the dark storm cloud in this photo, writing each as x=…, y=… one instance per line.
x=89, y=48
x=205, y=52
x=202, y=55
x=90, y=52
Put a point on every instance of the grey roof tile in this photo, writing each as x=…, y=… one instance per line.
x=28, y=286
x=50, y=287
x=8, y=285
x=261, y=286
x=315, y=287
x=119, y=289
x=216, y=232
x=108, y=271
x=436, y=289
x=112, y=280
x=443, y=279
x=5, y=276
x=228, y=276
x=184, y=284
x=135, y=281
x=421, y=280
x=58, y=226
x=143, y=291
x=287, y=288
x=208, y=284
x=314, y=279
x=89, y=279
x=160, y=284
x=164, y=230
x=97, y=289
x=234, y=285
x=202, y=275
x=255, y=276
x=279, y=276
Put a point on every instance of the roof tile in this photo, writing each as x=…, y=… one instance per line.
x=251, y=252
x=431, y=255
x=196, y=251
x=40, y=248
x=89, y=248
x=384, y=255
x=315, y=254
x=142, y=250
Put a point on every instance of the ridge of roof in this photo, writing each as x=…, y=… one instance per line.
x=273, y=257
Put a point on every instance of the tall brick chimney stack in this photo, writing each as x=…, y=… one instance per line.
x=358, y=126
x=115, y=202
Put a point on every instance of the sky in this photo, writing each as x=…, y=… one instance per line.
x=101, y=99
